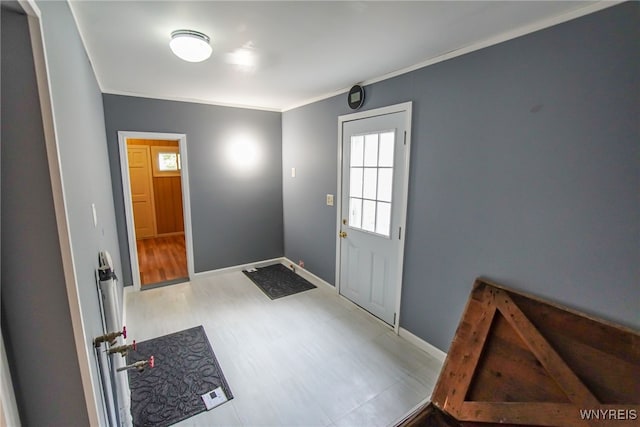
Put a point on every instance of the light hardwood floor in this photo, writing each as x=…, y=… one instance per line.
x=310, y=359
x=162, y=258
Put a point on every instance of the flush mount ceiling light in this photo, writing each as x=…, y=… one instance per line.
x=189, y=45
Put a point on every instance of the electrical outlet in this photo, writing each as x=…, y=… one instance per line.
x=329, y=199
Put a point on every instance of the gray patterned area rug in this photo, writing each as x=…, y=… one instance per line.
x=277, y=281
x=185, y=369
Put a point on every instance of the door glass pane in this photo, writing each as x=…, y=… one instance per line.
x=386, y=148
x=385, y=184
x=357, y=150
x=371, y=150
x=383, y=218
x=370, y=178
x=371, y=182
x=167, y=162
x=355, y=212
x=355, y=183
x=369, y=215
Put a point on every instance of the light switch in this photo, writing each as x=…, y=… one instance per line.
x=293, y=172
x=329, y=199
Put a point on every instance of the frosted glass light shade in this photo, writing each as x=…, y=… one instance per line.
x=189, y=45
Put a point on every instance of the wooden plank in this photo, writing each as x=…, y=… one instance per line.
x=604, y=335
x=611, y=379
x=442, y=387
x=467, y=351
x=552, y=362
x=509, y=372
x=548, y=414
x=531, y=413
x=161, y=259
x=537, y=365
x=618, y=342
x=168, y=202
x=429, y=416
x=154, y=142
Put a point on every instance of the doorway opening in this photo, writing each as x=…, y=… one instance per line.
x=155, y=185
x=373, y=178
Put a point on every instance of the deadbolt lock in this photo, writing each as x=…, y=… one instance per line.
x=344, y=222
x=342, y=234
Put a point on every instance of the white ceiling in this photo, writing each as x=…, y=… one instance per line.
x=307, y=50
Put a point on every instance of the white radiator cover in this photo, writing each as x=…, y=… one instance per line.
x=119, y=393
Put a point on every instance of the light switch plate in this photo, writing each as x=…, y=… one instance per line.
x=329, y=199
x=293, y=172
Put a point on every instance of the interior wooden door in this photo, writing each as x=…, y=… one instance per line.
x=142, y=199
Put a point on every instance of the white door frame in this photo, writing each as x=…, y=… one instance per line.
x=123, y=136
x=403, y=107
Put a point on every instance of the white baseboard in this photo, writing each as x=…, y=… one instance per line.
x=423, y=345
x=308, y=275
x=241, y=267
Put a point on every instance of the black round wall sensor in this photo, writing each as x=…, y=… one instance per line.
x=356, y=97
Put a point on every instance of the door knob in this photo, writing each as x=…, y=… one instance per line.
x=342, y=234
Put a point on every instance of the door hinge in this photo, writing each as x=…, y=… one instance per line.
x=400, y=233
x=394, y=318
x=405, y=137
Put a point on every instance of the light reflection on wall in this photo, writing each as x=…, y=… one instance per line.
x=243, y=153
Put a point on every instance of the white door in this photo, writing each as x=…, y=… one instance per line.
x=144, y=212
x=373, y=205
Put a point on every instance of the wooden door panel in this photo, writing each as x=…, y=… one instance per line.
x=143, y=215
x=141, y=191
x=168, y=194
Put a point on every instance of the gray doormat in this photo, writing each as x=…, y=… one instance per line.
x=277, y=281
x=185, y=369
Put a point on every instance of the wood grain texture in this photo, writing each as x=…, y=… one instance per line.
x=605, y=356
x=162, y=259
x=430, y=416
x=538, y=364
x=476, y=330
x=168, y=202
x=167, y=192
x=508, y=364
x=443, y=386
x=546, y=355
x=532, y=413
x=142, y=197
x=153, y=142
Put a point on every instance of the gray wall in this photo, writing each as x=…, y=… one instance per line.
x=236, y=215
x=309, y=143
x=36, y=323
x=524, y=170
x=79, y=124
